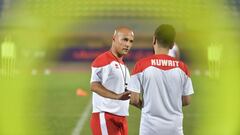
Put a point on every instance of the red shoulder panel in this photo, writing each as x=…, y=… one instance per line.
x=105, y=59
x=163, y=62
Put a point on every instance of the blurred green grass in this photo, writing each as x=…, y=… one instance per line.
x=60, y=109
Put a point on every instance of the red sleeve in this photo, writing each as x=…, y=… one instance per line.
x=141, y=65
x=101, y=61
x=136, y=69
x=184, y=67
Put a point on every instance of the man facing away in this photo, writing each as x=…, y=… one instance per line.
x=108, y=83
x=165, y=85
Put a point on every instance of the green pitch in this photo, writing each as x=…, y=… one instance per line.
x=48, y=105
x=60, y=109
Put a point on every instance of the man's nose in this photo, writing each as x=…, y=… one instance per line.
x=128, y=44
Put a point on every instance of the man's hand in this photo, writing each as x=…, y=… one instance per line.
x=124, y=96
x=135, y=100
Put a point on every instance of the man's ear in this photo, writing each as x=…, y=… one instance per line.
x=154, y=40
x=172, y=45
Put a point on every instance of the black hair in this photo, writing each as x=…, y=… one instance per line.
x=165, y=35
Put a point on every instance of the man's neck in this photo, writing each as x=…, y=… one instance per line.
x=161, y=51
x=114, y=52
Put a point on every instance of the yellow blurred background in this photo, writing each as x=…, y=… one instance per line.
x=42, y=29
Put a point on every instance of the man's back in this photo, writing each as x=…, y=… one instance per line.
x=163, y=80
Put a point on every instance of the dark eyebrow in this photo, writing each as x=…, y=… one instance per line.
x=127, y=39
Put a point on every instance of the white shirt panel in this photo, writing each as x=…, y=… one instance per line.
x=172, y=52
x=162, y=94
x=187, y=87
x=134, y=83
x=111, y=77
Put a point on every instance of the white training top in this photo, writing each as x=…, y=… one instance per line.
x=111, y=72
x=163, y=81
x=173, y=52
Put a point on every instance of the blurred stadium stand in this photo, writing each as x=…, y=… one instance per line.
x=125, y=8
x=1, y=6
x=95, y=20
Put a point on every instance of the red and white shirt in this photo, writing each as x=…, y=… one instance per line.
x=163, y=80
x=112, y=74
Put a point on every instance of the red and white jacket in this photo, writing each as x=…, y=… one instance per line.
x=112, y=74
x=163, y=81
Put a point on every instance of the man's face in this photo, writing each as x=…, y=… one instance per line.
x=123, y=41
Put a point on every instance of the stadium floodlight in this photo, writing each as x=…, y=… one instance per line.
x=8, y=58
x=214, y=60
